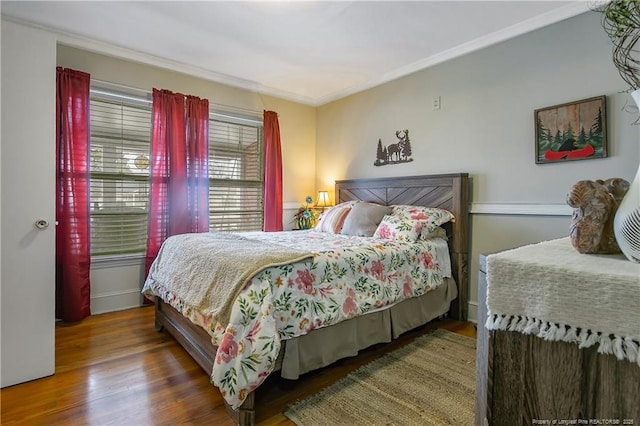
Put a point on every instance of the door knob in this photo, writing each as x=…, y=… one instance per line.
x=41, y=224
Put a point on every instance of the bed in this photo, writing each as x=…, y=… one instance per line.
x=298, y=352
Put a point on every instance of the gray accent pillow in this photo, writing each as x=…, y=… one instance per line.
x=364, y=219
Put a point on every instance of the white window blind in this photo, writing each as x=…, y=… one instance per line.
x=120, y=145
x=235, y=176
x=120, y=142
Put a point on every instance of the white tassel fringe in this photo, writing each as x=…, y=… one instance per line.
x=621, y=347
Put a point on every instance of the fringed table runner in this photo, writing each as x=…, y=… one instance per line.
x=552, y=291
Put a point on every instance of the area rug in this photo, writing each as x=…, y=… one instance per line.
x=431, y=381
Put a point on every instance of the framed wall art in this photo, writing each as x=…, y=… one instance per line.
x=572, y=131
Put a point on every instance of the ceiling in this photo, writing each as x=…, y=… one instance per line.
x=311, y=52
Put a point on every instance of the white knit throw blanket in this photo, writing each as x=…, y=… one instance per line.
x=554, y=292
x=208, y=270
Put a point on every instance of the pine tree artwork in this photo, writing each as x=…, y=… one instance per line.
x=395, y=153
x=571, y=131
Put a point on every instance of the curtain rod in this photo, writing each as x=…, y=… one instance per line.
x=148, y=101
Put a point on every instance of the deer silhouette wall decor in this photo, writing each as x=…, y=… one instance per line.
x=395, y=153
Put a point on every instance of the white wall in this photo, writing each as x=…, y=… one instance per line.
x=28, y=193
x=486, y=127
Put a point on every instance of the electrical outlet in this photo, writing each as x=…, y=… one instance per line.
x=436, y=103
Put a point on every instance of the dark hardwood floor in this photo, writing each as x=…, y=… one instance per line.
x=115, y=369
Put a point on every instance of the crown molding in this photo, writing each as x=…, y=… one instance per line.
x=74, y=40
x=573, y=9
x=104, y=48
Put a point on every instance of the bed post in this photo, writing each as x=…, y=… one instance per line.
x=245, y=415
x=460, y=244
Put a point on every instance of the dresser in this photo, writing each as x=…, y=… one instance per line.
x=523, y=379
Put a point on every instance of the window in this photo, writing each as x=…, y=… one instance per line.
x=235, y=175
x=120, y=143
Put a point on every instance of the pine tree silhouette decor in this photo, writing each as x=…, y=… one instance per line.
x=395, y=153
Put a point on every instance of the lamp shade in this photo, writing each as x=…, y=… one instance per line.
x=323, y=199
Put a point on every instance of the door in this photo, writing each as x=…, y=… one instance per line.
x=27, y=184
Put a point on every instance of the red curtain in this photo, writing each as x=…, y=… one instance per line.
x=179, y=183
x=73, y=253
x=272, y=173
x=198, y=164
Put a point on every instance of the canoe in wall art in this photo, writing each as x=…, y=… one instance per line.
x=572, y=131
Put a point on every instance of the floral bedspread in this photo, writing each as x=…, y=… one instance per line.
x=348, y=276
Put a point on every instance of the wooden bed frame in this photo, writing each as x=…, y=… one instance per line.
x=447, y=191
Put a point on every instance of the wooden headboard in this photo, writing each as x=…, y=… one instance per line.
x=447, y=191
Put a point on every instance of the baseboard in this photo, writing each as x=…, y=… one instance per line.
x=472, y=313
x=115, y=301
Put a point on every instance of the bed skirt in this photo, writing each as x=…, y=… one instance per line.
x=324, y=346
